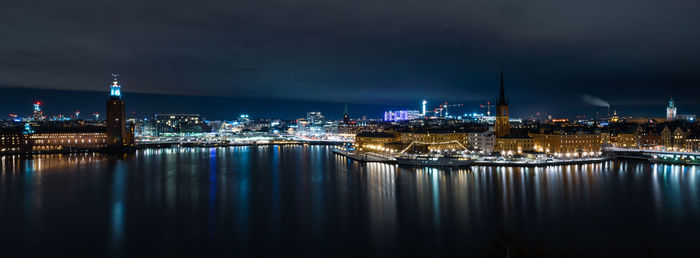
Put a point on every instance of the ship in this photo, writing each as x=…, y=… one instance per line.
x=427, y=161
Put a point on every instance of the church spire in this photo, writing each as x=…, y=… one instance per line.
x=346, y=107
x=346, y=116
x=502, y=97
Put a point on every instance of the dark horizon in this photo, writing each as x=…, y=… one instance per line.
x=142, y=105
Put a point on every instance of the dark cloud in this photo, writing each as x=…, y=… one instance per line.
x=386, y=51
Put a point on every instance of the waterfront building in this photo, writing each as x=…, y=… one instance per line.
x=572, y=144
x=674, y=140
x=116, y=116
x=514, y=145
x=484, y=142
x=692, y=142
x=177, y=124
x=11, y=139
x=52, y=138
x=67, y=138
x=621, y=138
x=367, y=141
x=650, y=139
x=437, y=141
x=49, y=137
x=624, y=140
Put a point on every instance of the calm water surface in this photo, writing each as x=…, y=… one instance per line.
x=304, y=200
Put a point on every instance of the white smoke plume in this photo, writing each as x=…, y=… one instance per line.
x=595, y=101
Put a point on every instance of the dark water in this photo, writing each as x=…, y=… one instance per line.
x=296, y=200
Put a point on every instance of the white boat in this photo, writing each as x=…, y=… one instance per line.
x=433, y=161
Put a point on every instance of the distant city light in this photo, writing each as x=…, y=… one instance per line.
x=401, y=115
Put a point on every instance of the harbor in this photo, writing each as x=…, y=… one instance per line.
x=465, y=161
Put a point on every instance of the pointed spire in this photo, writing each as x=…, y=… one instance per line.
x=346, y=107
x=502, y=97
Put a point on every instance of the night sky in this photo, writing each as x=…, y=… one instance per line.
x=283, y=58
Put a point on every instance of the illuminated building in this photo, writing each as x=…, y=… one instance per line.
x=423, y=107
x=401, y=115
x=367, y=141
x=674, y=140
x=671, y=111
x=502, y=117
x=11, y=140
x=650, y=139
x=624, y=140
x=509, y=146
x=37, y=114
x=484, y=143
x=692, y=142
x=614, y=118
x=66, y=138
x=576, y=144
x=116, y=116
x=315, y=118
x=52, y=138
x=178, y=124
x=437, y=141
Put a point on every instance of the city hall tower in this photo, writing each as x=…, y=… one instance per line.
x=116, y=116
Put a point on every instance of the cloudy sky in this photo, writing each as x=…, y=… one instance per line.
x=631, y=53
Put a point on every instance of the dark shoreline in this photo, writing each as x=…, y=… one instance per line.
x=158, y=146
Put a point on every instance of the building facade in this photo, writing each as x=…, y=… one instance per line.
x=671, y=111
x=177, y=124
x=674, y=140
x=368, y=141
x=67, y=138
x=315, y=118
x=11, y=140
x=484, y=143
x=509, y=146
x=53, y=138
x=442, y=141
x=575, y=144
x=401, y=115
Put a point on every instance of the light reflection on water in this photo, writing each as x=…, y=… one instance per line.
x=272, y=200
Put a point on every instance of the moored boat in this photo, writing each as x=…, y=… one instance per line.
x=434, y=161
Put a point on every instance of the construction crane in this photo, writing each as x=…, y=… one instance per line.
x=446, y=106
x=438, y=111
x=488, y=107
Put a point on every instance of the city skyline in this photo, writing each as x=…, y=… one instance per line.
x=362, y=128
x=55, y=102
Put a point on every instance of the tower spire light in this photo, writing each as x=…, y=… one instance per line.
x=115, y=90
